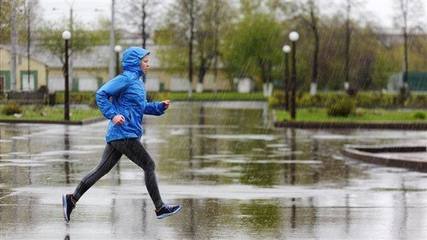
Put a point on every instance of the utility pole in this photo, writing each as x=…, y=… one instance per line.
x=28, y=42
x=70, y=61
x=14, y=42
x=144, y=16
x=112, y=42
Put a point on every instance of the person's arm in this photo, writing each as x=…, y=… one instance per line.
x=110, y=89
x=156, y=108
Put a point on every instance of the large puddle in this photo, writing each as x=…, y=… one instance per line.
x=235, y=175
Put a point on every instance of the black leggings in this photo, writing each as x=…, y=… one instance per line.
x=134, y=150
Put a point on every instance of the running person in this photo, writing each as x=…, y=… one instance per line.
x=123, y=101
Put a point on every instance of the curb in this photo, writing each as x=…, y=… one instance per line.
x=368, y=154
x=350, y=125
x=82, y=122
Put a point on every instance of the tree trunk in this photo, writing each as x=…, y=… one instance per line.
x=202, y=72
x=404, y=91
x=216, y=40
x=144, y=16
x=405, y=49
x=347, y=48
x=190, y=48
x=111, y=67
x=14, y=42
x=315, y=66
x=28, y=43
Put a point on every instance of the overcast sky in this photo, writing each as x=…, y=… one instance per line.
x=89, y=11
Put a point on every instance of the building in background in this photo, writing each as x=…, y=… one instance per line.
x=26, y=81
x=90, y=71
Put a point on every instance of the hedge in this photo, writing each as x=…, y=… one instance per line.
x=362, y=100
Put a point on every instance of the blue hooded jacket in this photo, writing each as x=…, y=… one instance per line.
x=125, y=95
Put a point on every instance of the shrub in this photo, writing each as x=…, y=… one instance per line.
x=85, y=97
x=307, y=100
x=376, y=99
x=360, y=112
x=419, y=115
x=43, y=89
x=11, y=108
x=340, y=107
x=93, y=103
x=417, y=101
x=277, y=99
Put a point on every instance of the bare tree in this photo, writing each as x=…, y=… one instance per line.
x=182, y=22
x=189, y=5
x=14, y=43
x=347, y=44
x=208, y=38
x=310, y=16
x=112, y=63
x=28, y=7
x=349, y=7
x=408, y=12
x=194, y=27
x=139, y=14
x=216, y=40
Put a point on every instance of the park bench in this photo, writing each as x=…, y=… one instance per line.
x=36, y=97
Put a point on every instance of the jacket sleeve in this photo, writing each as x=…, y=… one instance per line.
x=112, y=88
x=154, y=108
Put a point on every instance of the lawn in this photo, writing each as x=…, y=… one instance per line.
x=209, y=96
x=56, y=113
x=361, y=115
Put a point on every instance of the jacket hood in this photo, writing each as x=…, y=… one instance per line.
x=131, y=59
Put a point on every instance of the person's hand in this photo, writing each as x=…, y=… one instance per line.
x=118, y=119
x=166, y=103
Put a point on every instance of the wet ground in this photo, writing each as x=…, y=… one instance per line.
x=235, y=175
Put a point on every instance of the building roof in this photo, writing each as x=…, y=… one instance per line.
x=21, y=51
x=96, y=57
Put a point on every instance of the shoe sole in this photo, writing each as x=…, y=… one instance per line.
x=64, y=207
x=169, y=214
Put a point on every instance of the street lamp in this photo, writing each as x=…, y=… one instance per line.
x=66, y=35
x=117, y=49
x=286, y=49
x=293, y=36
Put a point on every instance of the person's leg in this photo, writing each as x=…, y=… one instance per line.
x=134, y=150
x=109, y=158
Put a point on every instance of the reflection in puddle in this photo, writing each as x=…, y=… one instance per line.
x=242, y=137
x=234, y=175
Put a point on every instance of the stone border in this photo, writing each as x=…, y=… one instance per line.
x=367, y=154
x=350, y=125
x=82, y=122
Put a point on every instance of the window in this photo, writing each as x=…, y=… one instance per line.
x=29, y=81
x=2, y=83
x=179, y=84
x=152, y=84
x=88, y=84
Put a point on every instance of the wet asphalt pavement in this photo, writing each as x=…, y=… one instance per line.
x=235, y=175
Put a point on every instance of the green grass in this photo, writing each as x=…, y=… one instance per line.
x=32, y=112
x=209, y=96
x=362, y=115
